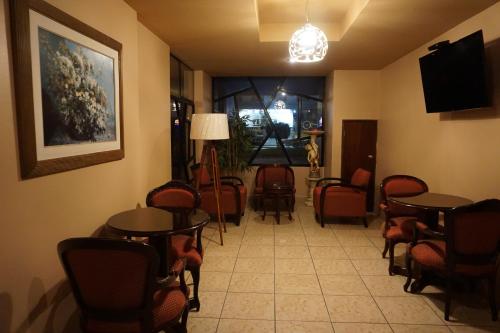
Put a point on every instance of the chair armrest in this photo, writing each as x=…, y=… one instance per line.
x=359, y=188
x=418, y=230
x=326, y=179
x=237, y=179
x=176, y=271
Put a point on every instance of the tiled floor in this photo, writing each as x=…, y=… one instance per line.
x=298, y=277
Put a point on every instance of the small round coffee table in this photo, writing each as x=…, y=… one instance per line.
x=277, y=192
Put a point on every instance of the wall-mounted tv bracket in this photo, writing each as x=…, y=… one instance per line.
x=439, y=45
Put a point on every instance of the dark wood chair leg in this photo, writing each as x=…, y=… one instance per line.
x=409, y=271
x=492, y=298
x=195, y=302
x=264, y=208
x=386, y=248
x=391, y=256
x=365, y=221
x=182, y=328
x=321, y=220
x=287, y=202
x=447, y=304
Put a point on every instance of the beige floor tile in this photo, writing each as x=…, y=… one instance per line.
x=301, y=307
x=328, y=252
x=245, y=326
x=211, y=304
x=254, y=265
x=214, y=281
x=378, y=241
x=371, y=266
x=215, y=250
x=323, y=240
x=363, y=252
x=297, y=266
x=218, y=264
x=229, y=239
x=299, y=284
x=334, y=266
x=316, y=231
x=361, y=328
x=357, y=309
x=303, y=327
x=202, y=325
x=354, y=241
x=292, y=252
x=373, y=233
x=250, y=239
x=342, y=285
x=386, y=285
x=407, y=310
x=259, y=230
x=349, y=233
x=256, y=251
x=290, y=239
x=249, y=306
x=252, y=282
x=402, y=328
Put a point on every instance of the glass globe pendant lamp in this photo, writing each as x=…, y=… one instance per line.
x=308, y=44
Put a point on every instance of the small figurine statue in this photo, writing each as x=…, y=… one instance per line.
x=312, y=158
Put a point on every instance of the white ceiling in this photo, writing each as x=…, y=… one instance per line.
x=250, y=37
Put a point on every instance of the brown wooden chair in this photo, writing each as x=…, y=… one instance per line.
x=233, y=190
x=334, y=197
x=468, y=247
x=115, y=285
x=177, y=196
x=398, y=227
x=272, y=173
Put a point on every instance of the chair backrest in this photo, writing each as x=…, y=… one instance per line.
x=174, y=196
x=361, y=177
x=473, y=232
x=112, y=280
x=274, y=173
x=401, y=186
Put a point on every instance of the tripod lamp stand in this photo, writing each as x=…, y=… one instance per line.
x=209, y=127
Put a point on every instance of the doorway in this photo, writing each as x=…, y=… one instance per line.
x=359, y=150
x=183, y=152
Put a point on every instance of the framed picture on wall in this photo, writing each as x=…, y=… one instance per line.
x=68, y=91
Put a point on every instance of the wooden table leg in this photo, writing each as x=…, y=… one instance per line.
x=162, y=246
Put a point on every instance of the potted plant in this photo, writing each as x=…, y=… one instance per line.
x=234, y=153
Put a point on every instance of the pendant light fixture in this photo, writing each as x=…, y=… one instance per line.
x=309, y=43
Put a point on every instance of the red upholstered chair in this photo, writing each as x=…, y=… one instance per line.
x=115, y=284
x=177, y=196
x=332, y=197
x=234, y=194
x=397, y=227
x=269, y=174
x=468, y=247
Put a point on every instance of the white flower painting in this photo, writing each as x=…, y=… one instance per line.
x=78, y=101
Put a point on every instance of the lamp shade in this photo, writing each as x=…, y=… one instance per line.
x=209, y=126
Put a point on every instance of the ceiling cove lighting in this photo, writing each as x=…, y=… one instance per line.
x=309, y=43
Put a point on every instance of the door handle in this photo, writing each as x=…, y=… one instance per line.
x=370, y=156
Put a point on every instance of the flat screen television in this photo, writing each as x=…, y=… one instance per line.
x=454, y=75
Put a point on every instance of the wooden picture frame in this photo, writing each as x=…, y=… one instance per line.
x=68, y=91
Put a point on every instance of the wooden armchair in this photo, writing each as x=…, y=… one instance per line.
x=116, y=287
x=234, y=194
x=177, y=196
x=468, y=247
x=333, y=197
x=398, y=218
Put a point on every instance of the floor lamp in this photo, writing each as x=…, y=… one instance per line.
x=209, y=127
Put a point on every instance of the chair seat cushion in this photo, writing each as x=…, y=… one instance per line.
x=185, y=246
x=396, y=233
x=340, y=201
x=168, y=305
x=432, y=253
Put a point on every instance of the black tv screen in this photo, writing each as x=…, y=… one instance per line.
x=454, y=76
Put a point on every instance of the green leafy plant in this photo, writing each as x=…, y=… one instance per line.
x=234, y=153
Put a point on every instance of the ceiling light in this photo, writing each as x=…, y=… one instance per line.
x=308, y=44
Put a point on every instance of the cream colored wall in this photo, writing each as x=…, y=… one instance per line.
x=154, y=109
x=38, y=213
x=356, y=95
x=455, y=153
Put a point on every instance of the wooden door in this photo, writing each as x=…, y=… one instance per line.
x=359, y=150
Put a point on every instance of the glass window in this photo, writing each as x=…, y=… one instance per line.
x=277, y=111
